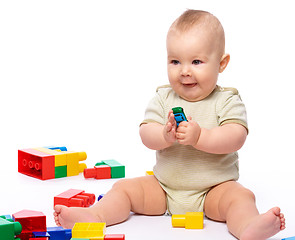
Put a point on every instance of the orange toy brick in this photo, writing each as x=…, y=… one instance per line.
x=74, y=198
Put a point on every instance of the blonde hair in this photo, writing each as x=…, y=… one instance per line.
x=192, y=18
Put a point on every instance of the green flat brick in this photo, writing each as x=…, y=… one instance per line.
x=117, y=169
x=60, y=171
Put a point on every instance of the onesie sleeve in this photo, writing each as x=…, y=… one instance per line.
x=231, y=109
x=154, y=111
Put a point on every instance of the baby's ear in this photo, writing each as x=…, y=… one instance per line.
x=223, y=62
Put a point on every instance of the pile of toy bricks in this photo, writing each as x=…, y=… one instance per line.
x=30, y=225
x=50, y=162
x=91, y=231
x=105, y=169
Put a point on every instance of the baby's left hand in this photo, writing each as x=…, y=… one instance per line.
x=188, y=133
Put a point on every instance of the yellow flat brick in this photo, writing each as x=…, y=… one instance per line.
x=93, y=231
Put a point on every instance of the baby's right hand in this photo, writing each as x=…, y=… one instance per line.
x=170, y=128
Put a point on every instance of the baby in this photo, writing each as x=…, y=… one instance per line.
x=197, y=164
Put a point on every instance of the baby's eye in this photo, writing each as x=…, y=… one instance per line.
x=196, y=62
x=175, y=62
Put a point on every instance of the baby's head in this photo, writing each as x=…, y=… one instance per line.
x=195, y=48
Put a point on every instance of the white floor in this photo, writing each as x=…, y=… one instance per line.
x=21, y=192
x=81, y=73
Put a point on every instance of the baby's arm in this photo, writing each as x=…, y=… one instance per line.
x=224, y=139
x=157, y=136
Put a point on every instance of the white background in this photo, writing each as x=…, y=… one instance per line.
x=80, y=74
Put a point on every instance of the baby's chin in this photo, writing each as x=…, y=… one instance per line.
x=193, y=93
x=190, y=98
x=193, y=96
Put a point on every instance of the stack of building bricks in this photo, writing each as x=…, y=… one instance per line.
x=93, y=231
x=105, y=169
x=49, y=163
x=30, y=225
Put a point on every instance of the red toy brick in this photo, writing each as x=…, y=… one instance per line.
x=74, y=198
x=114, y=237
x=98, y=172
x=36, y=164
x=39, y=238
x=31, y=221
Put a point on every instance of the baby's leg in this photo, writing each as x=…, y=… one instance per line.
x=142, y=195
x=234, y=204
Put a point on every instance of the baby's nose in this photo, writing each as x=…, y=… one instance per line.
x=186, y=71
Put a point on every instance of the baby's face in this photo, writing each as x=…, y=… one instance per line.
x=193, y=63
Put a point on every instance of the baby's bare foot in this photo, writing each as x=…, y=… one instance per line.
x=264, y=225
x=68, y=216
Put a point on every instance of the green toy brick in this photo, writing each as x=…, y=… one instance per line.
x=118, y=170
x=9, y=229
x=100, y=163
x=60, y=171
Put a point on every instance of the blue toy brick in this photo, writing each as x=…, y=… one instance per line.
x=63, y=148
x=290, y=238
x=41, y=234
x=59, y=233
x=100, y=197
x=179, y=115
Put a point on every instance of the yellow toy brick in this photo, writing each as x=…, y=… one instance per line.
x=190, y=220
x=148, y=173
x=93, y=231
x=194, y=220
x=73, y=159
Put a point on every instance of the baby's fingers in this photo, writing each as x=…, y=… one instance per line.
x=171, y=118
x=168, y=127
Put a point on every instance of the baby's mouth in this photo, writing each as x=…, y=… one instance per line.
x=189, y=85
